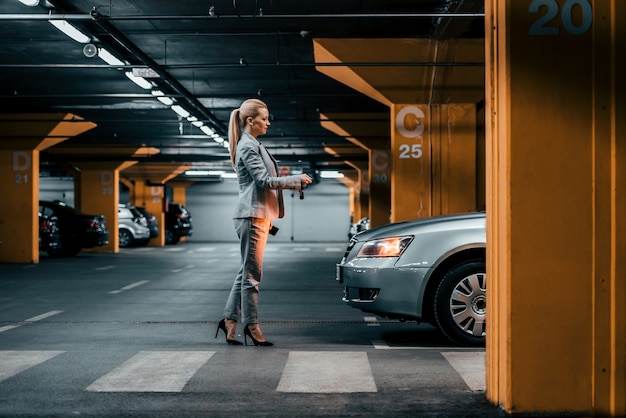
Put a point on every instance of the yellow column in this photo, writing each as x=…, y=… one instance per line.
x=151, y=196
x=19, y=226
x=22, y=137
x=99, y=195
x=556, y=207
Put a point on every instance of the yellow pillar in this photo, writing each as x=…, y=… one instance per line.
x=433, y=114
x=99, y=189
x=371, y=133
x=22, y=137
x=151, y=196
x=556, y=207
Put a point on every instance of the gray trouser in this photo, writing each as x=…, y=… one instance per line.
x=243, y=300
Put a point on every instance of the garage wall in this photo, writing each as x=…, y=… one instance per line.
x=323, y=215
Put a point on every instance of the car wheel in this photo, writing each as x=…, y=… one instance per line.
x=171, y=237
x=126, y=238
x=461, y=303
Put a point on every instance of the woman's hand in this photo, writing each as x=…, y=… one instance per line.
x=305, y=179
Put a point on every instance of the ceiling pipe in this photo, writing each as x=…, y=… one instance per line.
x=70, y=17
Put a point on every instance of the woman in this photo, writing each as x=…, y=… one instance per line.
x=260, y=202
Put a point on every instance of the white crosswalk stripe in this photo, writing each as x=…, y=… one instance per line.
x=303, y=372
x=471, y=367
x=14, y=362
x=327, y=372
x=153, y=371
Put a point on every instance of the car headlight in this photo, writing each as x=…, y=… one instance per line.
x=386, y=247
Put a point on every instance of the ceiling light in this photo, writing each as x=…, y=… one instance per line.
x=30, y=3
x=207, y=130
x=140, y=81
x=197, y=173
x=225, y=144
x=180, y=111
x=192, y=118
x=197, y=123
x=67, y=28
x=331, y=175
x=166, y=100
x=109, y=58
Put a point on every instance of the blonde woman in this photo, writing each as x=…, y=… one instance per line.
x=260, y=202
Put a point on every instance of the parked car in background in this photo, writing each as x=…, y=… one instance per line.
x=77, y=230
x=430, y=270
x=361, y=225
x=153, y=224
x=49, y=237
x=132, y=227
x=178, y=223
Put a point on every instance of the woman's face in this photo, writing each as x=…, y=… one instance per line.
x=258, y=125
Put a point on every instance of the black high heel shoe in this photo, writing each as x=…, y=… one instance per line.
x=222, y=326
x=248, y=333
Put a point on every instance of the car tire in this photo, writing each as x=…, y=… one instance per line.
x=460, y=303
x=126, y=238
x=171, y=237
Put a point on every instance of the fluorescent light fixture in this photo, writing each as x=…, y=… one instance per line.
x=207, y=130
x=109, y=58
x=71, y=31
x=225, y=144
x=197, y=173
x=180, y=111
x=140, y=81
x=30, y=3
x=162, y=97
x=331, y=175
x=197, y=123
x=218, y=139
x=192, y=118
x=166, y=100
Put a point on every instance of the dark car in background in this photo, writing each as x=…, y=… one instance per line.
x=49, y=237
x=76, y=230
x=153, y=224
x=177, y=223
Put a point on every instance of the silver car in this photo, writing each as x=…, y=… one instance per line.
x=133, y=226
x=428, y=270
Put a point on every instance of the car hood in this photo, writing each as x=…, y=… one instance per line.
x=435, y=223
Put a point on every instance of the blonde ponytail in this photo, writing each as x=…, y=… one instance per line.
x=234, y=133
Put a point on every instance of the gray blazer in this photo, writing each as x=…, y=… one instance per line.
x=260, y=187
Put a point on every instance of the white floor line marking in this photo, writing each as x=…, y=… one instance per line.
x=471, y=367
x=327, y=372
x=303, y=249
x=382, y=345
x=371, y=321
x=153, y=371
x=333, y=249
x=42, y=316
x=205, y=249
x=105, y=268
x=130, y=286
x=14, y=362
x=173, y=250
x=8, y=327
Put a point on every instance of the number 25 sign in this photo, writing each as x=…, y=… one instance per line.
x=409, y=125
